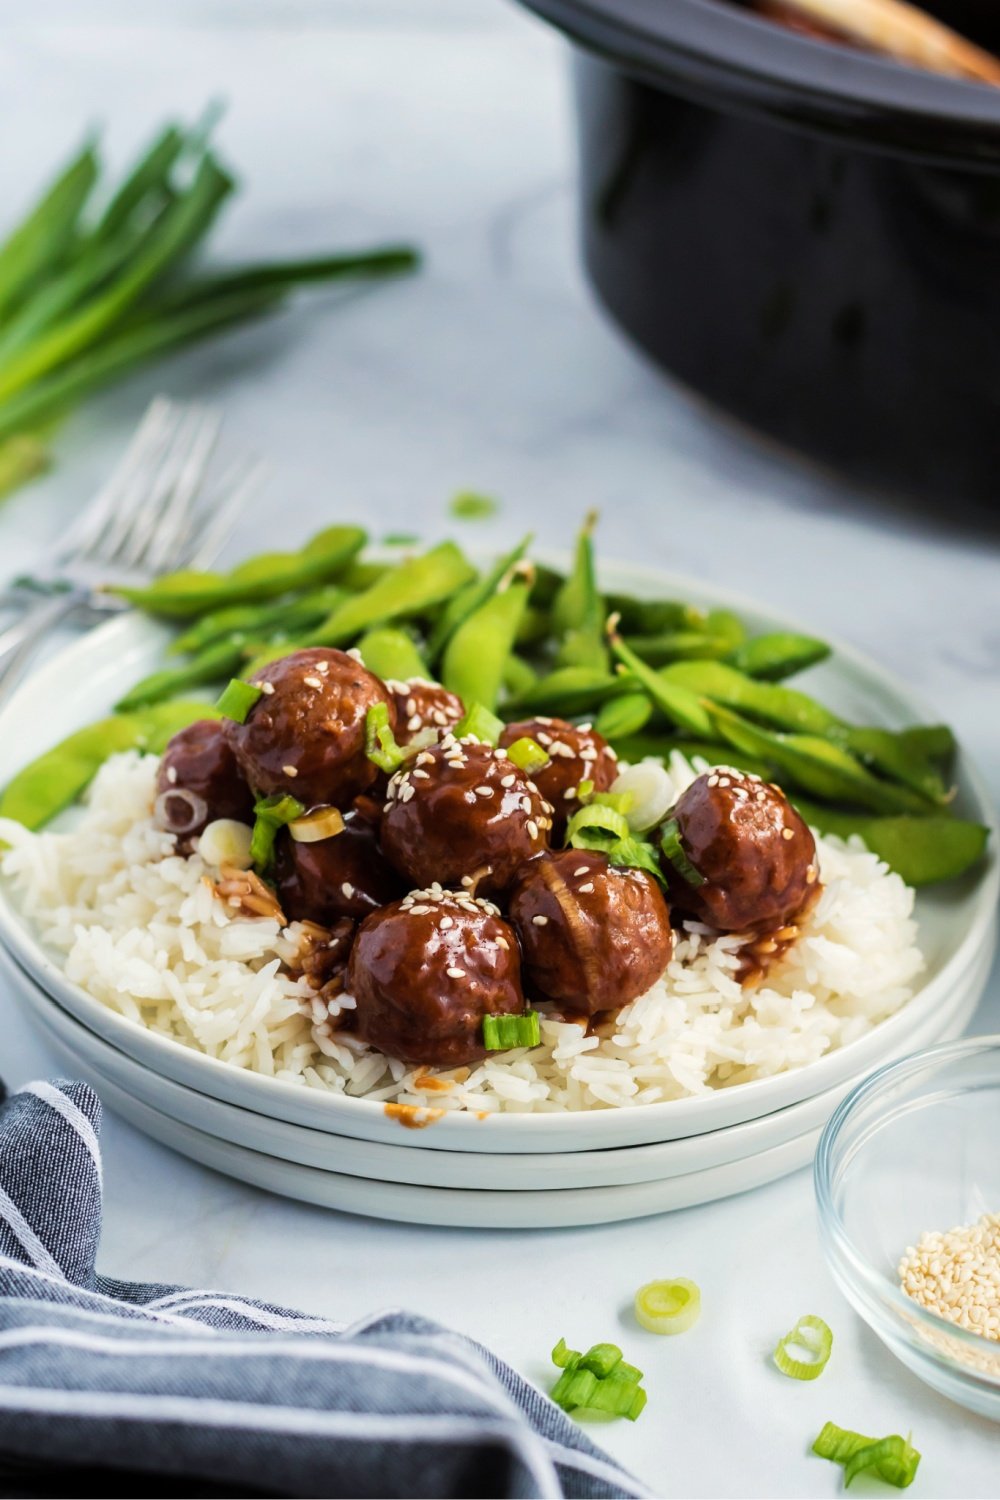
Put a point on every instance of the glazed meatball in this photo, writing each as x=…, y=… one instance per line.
x=199, y=780
x=426, y=970
x=756, y=856
x=576, y=753
x=305, y=735
x=423, y=705
x=342, y=876
x=463, y=815
x=593, y=935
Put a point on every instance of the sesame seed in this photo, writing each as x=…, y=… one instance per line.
x=811, y=875
x=413, y=723
x=543, y=738
x=313, y=682
x=788, y=833
x=484, y=791
x=540, y=921
x=438, y=716
x=347, y=890
x=172, y=775
x=713, y=781
x=957, y=1276
x=446, y=922
x=532, y=828
x=502, y=942
x=586, y=889
x=455, y=973
x=506, y=781
x=324, y=666
x=267, y=687
x=290, y=771
x=355, y=655
x=582, y=870
x=468, y=881
x=411, y=706
x=569, y=793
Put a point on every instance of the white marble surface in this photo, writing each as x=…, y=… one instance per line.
x=368, y=119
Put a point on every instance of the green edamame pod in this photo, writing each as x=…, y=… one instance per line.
x=518, y=676
x=469, y=598
x=58, y=777
x=921, y=850
x=935, y=742
x=678, y=704
x=216, y=663
x=180, y=595
x=567, y=692
x=816, y=766
x=651, y=617
x=392, y=655
x=257, y=621
x=623, y=716
x=782, y=707
x=409, y=588
x=892, y=755
x=778, y=654
x=578, y=611
x=477, y=654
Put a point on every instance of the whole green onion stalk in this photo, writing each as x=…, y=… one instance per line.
x=100, y=278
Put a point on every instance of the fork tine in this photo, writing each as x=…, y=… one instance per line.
x=129, y=497
x=156, y=536
x=91, y=520
x=221, y=511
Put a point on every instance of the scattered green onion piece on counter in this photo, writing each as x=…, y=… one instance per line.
x=527, y=755
x=271, y=814
x=238, y=699
x=381, y=747
x=469, y=506
x=501, y=1033
x=674, y=851
x=600, y=1380
x=893, y=1459
x=668, y=1306
x=814, y=1337
x=608, y=819
x=481, y=724
x=400, y=539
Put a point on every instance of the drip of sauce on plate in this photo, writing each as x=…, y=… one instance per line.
x=413, y=1116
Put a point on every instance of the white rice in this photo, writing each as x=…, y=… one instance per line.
x=140, y=929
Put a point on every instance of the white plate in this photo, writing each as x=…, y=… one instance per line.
x=102, y=1064
x=956, y=922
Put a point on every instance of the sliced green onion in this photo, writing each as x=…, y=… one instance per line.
x=815, y=1338
x=238, y=699
x=381, y=747
x=668, y=1306
x=503, y=1032
x=673, y=849
x=270, y=814
x=481, y=724
x=600, y=1380
x=320, y=824
x=893, y=1459
x=636, y=854
x=584, y=792
x=593, y=816
x=528, y=755
x=620, y=801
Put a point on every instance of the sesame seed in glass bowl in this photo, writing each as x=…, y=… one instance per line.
x=907, y=1179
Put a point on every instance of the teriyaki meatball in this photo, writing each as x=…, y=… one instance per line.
x=594, y=936
x=576, y=753
x=199, y=780
x=463, y=814
x=426, y=970
x=345, y=875
x=753, y=856
x=423, y=705
x=305, y=735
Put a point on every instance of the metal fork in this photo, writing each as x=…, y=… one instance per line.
x=143, y=522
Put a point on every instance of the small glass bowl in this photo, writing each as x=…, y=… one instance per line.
x=915, y=1148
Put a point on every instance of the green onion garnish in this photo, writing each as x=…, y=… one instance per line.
x=380, y=742
x=607, y=819
x=500, y=1033
x=813, y=1337
x=620, y=801
x=481, y=724
x=599, y=1380
x=270, y=814
x=636, y=854
x=528, y=755
x=584, y=792
x=893, y=1459
x=673, y=849
x=668, y=1306
x=238, y=699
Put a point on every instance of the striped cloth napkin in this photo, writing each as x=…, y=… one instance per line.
x=120, y=1388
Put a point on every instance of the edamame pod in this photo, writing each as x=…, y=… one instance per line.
x=781, y=707
x=568, y=692
x=468, y=599
x=678, y=704
x=183, y=594
x=392, y=655
x=623, y=716
x=409, y=588
x=477, y=654
x=578, y=610
x=778, y=654
x=216, y=663
x=921, y=850
x=257, y=621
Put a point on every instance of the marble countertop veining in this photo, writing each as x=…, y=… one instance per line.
x=494, y=369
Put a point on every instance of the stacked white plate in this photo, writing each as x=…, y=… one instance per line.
x=501, y=1171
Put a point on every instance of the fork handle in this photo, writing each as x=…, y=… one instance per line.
x=19, y=642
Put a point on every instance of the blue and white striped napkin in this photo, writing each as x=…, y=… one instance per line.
x=106, y=1384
